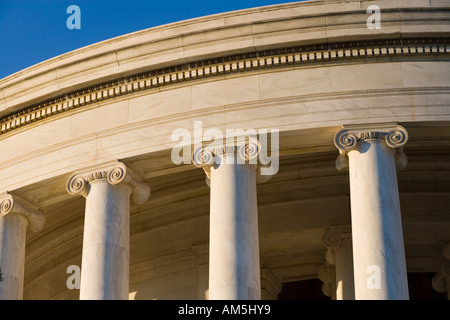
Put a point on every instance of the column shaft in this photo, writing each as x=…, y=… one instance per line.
x=12, y=255
x=234, y=244
x=105, y=260
x=338, y=240
x=376, y=222
x=345, y=286
x=108, y=189
x=15, y=215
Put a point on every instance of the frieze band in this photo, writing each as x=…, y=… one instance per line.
x=215, y=67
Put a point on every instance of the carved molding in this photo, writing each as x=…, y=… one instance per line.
x=114, y=174
x=13, y=204
x=249, y=62
x=347, y=139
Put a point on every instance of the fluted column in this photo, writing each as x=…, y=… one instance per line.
x=105, y=258
x=373, y=153
x=15, y=215
x=234, y=266
x=338, y=240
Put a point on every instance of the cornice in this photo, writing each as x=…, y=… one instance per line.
x=304, y=56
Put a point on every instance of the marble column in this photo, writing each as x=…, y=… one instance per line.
x=106, y=241
x=234, y=266
x=338, y=240
x=373, y=153
x=15, y=215
x=441, y=281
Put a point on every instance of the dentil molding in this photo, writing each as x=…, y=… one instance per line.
x=329, y=53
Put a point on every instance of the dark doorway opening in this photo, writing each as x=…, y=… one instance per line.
x=419, y=289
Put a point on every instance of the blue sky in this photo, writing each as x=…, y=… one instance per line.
x=32, y=31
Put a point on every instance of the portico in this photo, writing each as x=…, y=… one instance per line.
x=84, y=136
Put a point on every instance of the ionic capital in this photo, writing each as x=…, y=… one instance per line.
x=333, y=236
x=208, y=157
x=11, y=204
x=332, y=239
x=347, y=138
x=115, y=174
x=327, y=274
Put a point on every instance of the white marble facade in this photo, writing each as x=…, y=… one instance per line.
x=359, y=201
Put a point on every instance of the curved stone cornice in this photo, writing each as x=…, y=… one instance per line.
x=238, y=32
x=79, y=183
x=394, y=135
x=303, y=56
x=13, y=204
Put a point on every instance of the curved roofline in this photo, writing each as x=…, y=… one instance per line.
x=218, y=35
x=146, y=31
